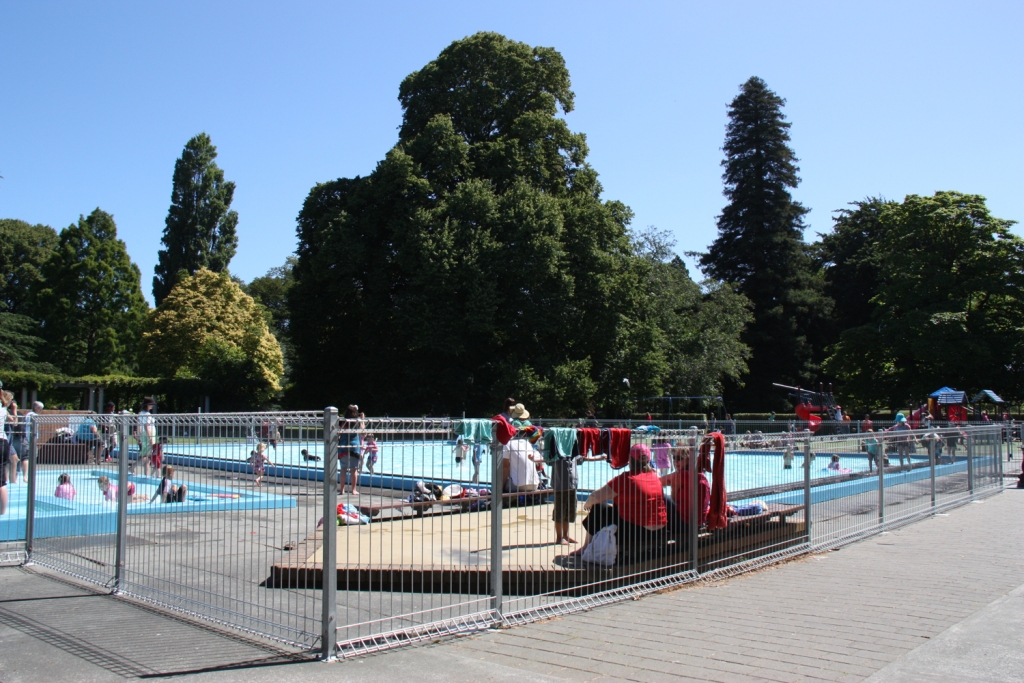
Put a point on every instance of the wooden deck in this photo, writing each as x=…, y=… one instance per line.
x=451, y=553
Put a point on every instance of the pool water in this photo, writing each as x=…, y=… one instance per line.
x=89, y=513
x=436, y=460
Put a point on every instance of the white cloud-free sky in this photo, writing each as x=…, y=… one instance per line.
x=886, y=98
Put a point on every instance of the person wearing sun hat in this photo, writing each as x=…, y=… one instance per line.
x=904, y=443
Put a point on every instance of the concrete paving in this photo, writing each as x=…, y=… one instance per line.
x=938, y=600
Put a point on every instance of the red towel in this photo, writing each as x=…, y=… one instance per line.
x=717, y=517
x=589, y=440
x=618, y=447
x=504, y=429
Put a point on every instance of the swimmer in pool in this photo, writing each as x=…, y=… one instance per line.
x=309, y=458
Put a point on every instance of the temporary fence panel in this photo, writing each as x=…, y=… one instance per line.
x=199, y=513
x=354, y=535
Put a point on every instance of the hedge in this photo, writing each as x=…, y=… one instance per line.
x=172, y=395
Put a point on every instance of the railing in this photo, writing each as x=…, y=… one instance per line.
x=245, y=530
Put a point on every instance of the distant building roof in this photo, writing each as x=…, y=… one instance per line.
x=987, y=395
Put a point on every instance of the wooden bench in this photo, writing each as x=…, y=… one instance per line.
x=774, y=510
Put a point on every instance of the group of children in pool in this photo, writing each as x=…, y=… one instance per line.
x=166, y=492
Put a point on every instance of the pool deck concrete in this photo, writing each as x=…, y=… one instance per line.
x=938, y=600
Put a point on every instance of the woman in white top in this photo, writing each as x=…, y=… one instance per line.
x=522, y=457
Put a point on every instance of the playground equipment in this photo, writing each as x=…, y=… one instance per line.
x=811, y=404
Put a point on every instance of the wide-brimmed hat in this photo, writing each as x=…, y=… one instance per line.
x=900, y=417
x=519, y=412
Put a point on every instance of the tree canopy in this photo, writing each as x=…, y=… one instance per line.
x=24, y=248
x=90, y=304
x=946, y=309
x=760, y=247
x=200, y=228
x=478, y=259
x=208, y=328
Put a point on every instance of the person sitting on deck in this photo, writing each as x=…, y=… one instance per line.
x=635, y=502
x=680, y=485
x=521, y=458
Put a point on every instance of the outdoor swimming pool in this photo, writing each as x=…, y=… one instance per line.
x=89, y=513
x=436, y=460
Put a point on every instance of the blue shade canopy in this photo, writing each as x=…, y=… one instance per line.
x=987, y=395
x=940, y=392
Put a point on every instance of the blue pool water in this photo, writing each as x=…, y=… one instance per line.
x=89, y=513
x=436, y=460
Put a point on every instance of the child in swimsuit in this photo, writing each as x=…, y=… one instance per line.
x=65, y=489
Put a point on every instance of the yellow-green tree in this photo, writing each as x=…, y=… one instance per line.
x=207, y=327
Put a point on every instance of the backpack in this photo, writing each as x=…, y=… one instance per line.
x=603, y=547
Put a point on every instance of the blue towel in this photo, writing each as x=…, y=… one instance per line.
x=474, y=431
x=749, y=509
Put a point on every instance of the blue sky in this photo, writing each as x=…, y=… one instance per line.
x=886, y=98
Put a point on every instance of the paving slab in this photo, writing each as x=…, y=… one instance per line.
x=938, y=600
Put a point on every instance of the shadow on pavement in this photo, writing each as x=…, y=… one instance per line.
x=125, y=638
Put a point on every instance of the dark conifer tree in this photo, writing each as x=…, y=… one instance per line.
x=91, y=305
x=760, y=247
x=200, y=228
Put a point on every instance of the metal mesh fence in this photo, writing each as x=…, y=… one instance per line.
x=354, y=535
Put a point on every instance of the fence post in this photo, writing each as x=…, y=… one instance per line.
x=881, y=484
x=694, y=509
x=122, y=500
x=807, y=488
x=329, y=566
x=970, y=460
x=497, y=489
x=932, y=438
x=30, y=502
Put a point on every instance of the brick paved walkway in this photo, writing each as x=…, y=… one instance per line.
x=841, y=616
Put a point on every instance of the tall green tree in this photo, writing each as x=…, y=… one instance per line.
x=200, y=228
x=24, y=248
x=851, y=261
x=947, y=308
x=478, y=259
x=91, y=305
x=760, y=248
x=701, y=323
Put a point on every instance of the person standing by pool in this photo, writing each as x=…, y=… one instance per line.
x=875, y=452
x=5, y=457
x=16, y=436
x=87, y=433
x=349, y=462
x=478, y=451
x=108, y=431
x=145, y=434
x=904, y=441
x=370, y=452
x=565, y=480
x=259, y=461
